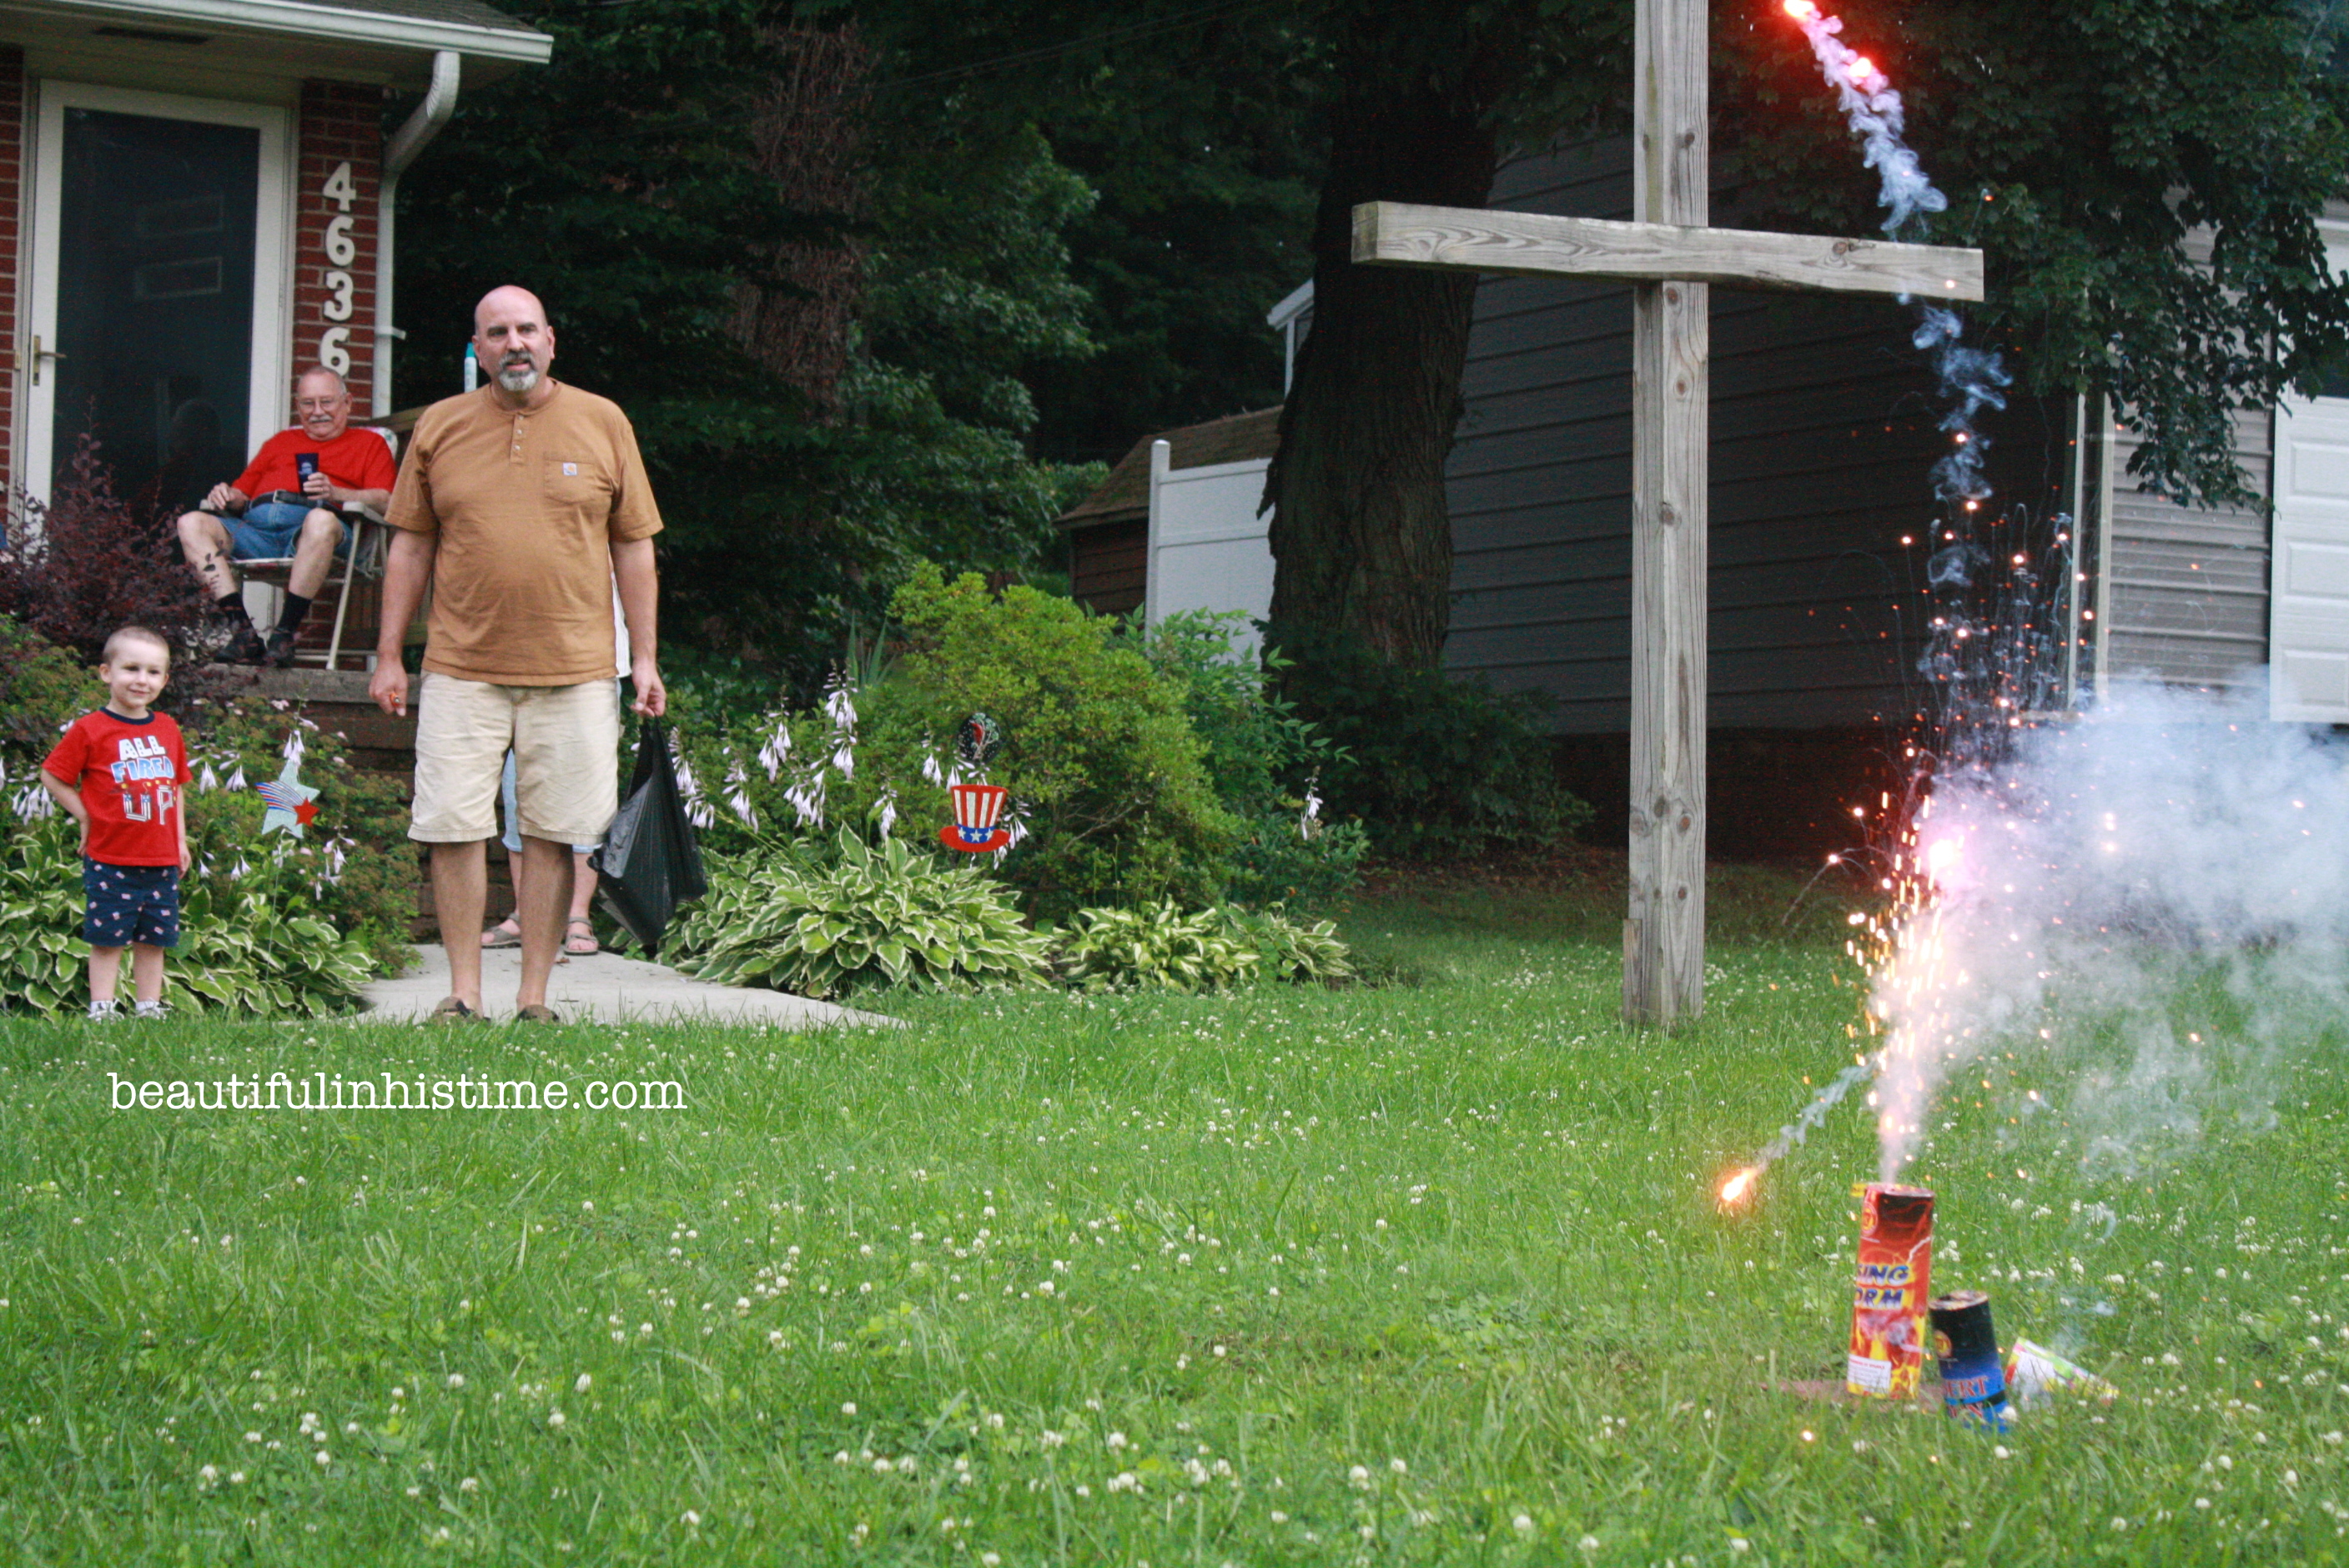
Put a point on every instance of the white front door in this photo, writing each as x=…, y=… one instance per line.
x=2308, y=605
x=157, y=299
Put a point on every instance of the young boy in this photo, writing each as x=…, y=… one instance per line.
x=119, y=772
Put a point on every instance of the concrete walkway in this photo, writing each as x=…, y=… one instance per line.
x=604, y=988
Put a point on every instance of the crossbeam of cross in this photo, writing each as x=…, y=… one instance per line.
x=1673, y=258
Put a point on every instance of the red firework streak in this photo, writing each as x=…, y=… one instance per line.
x=1889, y=1291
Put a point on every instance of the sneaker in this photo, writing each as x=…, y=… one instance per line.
x=245, y=648
x=105, y=1011
x=279, y=653
x=148, y=1010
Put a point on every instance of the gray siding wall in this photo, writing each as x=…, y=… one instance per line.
x=1822, y=436
x=2187, y=594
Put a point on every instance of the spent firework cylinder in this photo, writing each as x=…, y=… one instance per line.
x=2035, y=1373
x=1889, y=1292
x=1973, y=1384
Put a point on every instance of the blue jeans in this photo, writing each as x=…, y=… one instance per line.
x=268, y=529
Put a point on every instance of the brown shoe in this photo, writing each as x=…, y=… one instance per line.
x=452, y=1011
x=536, y=1013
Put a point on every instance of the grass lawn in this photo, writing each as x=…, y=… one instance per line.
x=1427, y=1271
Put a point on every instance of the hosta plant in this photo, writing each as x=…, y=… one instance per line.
x=1160, y=947
x=1156, y=947
x=1292, y=950
x=252, y=943
x=886, y=916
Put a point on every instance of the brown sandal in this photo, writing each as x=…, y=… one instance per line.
x=579, y=945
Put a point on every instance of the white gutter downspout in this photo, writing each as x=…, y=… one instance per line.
x=440, y=103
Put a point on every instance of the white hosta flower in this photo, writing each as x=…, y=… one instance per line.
x=931, y=770
x=777, y=750
x=838, y=706
x=294, y=746
x=738, y=790
x=688, y=788
x=889, y=812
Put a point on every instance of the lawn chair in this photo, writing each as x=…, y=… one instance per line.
x=370, y=544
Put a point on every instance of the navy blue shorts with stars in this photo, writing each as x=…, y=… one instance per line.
x=130, y=903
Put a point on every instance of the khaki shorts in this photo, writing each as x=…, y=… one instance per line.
x=566, y=746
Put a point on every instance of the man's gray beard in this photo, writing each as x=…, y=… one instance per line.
x=518, y=377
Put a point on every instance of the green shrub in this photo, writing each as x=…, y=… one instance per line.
x=1278, y=860
x=1110, y=783
x=251, y=941
x=364, y=865
x=1430, y=766
x=891, y=916
x=1261, y=760
x=1160, y=947
x=43, y=688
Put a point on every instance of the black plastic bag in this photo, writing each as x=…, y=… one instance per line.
x=649, y=864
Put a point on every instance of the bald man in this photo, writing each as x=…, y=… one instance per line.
x=522, y=503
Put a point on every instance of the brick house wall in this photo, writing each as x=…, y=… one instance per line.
x=340, y=125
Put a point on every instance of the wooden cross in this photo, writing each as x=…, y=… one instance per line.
x=1673, y=258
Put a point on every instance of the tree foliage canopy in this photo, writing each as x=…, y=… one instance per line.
x=2143, y=176
x=620, y=183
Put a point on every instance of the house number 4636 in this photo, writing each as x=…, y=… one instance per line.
x=334, y=350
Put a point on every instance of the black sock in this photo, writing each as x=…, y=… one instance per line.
x=296, y=607
x=231, y=603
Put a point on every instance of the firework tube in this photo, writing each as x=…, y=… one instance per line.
x=1973, y=1386
x=2036, y=1373
x=1889, y=1292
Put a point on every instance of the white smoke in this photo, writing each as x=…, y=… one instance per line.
x=2155, y=898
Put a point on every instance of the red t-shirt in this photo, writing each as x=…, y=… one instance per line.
x=355, y=459
x=130, y=773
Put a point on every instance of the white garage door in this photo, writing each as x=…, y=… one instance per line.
x=2309, y=634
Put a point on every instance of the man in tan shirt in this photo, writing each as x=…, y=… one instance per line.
x=522, y=503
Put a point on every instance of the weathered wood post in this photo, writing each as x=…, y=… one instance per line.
x=1672, y=257
x=1663, y=934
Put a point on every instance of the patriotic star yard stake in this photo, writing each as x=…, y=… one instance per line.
x=290, y=800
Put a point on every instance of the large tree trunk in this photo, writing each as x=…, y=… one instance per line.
x=1360, y=537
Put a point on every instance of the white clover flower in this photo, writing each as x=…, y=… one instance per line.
x=557, y=1420
x=585, y=1383
x=456, y=1379
x=1522, y=1522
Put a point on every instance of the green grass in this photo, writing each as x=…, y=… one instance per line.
x=1416, y=1274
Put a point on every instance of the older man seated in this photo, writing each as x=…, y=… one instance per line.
x=285, y=504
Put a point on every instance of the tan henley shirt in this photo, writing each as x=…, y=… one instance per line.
x=526, y=507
